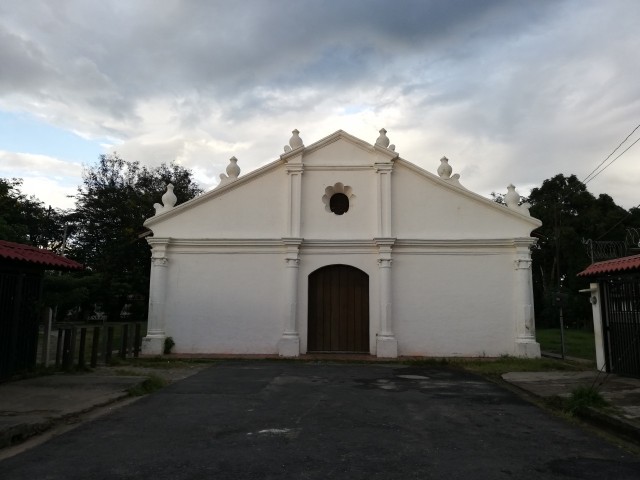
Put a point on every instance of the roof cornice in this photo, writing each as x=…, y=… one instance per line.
x=212, y=193
x=468, y=193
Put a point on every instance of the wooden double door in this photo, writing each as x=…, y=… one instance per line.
x=338, y=316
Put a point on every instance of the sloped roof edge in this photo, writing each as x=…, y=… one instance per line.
x=616, y=265
x=335, y=136
x=468, y=193
x=213, y=193
x=19, y=252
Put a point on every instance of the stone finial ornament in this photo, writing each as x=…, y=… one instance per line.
x=295, y=141
x=382, y=140
x=512, y=199
x=169, y=200
x=233, y=172
x=444, y=170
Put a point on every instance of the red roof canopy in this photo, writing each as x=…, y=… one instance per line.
x=34, y=255
x=617, y=265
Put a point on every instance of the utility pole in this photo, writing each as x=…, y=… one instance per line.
x=559, y=298
x=52, y=313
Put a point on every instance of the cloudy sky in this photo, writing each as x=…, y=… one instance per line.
x=510, y=91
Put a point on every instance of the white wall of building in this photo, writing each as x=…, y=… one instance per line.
x=256, y=211
x=449, y=271
x=453, y=304
x=223, y=303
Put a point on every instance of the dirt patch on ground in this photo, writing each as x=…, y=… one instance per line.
x=170, y=371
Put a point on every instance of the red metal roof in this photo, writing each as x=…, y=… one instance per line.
x=617, y=265
x=34, y=255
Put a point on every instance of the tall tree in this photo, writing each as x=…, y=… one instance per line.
x=26, y=219
x=111, y=206
x=570, y=215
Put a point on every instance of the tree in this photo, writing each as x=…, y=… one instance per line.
x=26, y=220
x=570, y=214
x=111, y=206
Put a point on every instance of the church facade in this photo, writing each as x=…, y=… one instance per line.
x=342, y=246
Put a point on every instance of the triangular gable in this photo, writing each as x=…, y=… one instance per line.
x=305, y=156
x=335, y=137
x=455, y=186
x=216, y=192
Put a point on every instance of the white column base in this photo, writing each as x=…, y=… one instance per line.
x=527, y=348
x=153, y=344
x=386, y=347
x=289, y=345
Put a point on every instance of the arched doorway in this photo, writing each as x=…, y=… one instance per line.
x=338, y=316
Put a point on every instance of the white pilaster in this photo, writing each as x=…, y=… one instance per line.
x=153, y=343
x=384, y=198
x=289, y=344
x=596, y=308
x=294, y=169
x=526, y=345
x=386, y=342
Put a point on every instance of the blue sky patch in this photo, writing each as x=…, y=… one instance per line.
x=26, y=134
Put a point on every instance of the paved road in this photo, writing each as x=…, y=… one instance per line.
x=279, y=420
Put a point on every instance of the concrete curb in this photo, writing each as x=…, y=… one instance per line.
x=17, y=427
x=611, y=422
x=604, y=420
x=14, y=434
x=31, y=407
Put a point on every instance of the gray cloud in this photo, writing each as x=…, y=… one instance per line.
x=529, y=88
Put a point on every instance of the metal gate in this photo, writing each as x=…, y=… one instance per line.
x=19, y=295
x=621, y=325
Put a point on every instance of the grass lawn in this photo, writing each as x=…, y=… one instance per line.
x=577, y=343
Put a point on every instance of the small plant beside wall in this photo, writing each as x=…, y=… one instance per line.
x=168, y=345
x=582, y=398
x=150, y=385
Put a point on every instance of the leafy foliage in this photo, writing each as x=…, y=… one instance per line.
x=71, y=291
x=582, y=398
x=570, y=214
x=111, y=206
x=26, y=219
x=149, y=385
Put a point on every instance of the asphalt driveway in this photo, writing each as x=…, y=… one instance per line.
x=289, y=420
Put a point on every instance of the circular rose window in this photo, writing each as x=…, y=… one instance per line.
x=339, y=203
x=338, y=198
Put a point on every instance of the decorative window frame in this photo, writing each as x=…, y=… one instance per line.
x=338, y=187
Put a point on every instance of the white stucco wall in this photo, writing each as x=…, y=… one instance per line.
x=258, y=210
x=225, y=303
x=225, y=264
x=358, y=223
x=443, y=304
x=453, y=304
x=425, y=208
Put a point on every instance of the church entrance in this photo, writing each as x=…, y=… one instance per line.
x=338, y=316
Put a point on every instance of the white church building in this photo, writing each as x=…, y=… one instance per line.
x=342, y=246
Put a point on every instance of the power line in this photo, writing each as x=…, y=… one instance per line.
x=586, y=179
x=591, y=174
x=619, y=221
x=608, y=164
